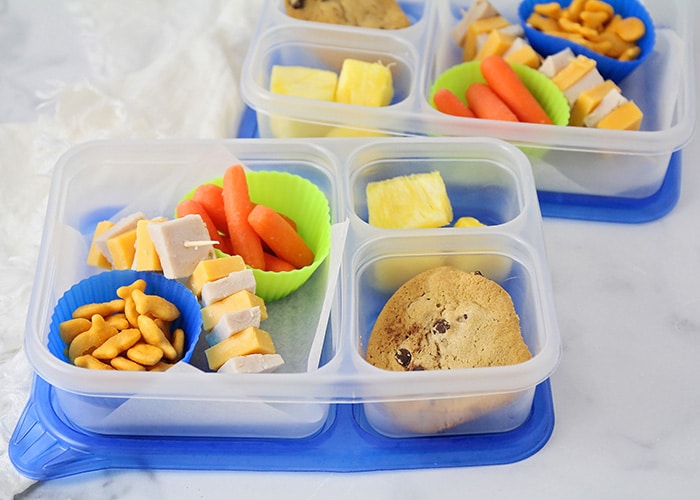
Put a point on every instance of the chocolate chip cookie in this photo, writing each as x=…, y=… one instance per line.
x=383, y=14
x=445, y=318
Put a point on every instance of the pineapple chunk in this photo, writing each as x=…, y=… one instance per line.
x=299, y=81
x=468, y=222
x=411, y=201
x=364, y=83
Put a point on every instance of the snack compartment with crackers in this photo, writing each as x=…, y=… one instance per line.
x=625, y=156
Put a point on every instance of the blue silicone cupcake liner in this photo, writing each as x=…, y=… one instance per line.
x=103, y=287
x=608, y=67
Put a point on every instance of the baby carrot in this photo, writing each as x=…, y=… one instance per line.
x=507, y=85
x=276, y=264
x=211, y=198
x=244, y=240
x=447, y=102
x=282, y=239
x=187, y=207
x=486, y=104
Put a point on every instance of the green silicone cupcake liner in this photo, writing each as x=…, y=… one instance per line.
x=459, y=77
x=302, y=201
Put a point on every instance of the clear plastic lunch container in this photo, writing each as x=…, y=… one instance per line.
x=320, y=330
x=626, y=164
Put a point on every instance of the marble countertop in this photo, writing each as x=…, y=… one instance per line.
x=626, y=395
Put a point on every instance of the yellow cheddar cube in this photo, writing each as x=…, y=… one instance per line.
x=480, y=27
x=122, y=249
x=212, y=270
x=573, y=72
x=364, y=83
x=627, y=116
x=145, y=256
x=251, y=340
x=95, y=256
x=497, y=43
x=244, y=299
x=525, y=55
x=588, y=100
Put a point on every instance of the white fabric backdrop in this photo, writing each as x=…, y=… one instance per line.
x=174, y=78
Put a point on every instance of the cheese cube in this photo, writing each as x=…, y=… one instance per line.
x=121, y=249
x=212, y=270
x=364, y=83
x=479, y=9
x=523, y=54
x=573, y=72
x=497, y=43
x=612, y=100
x=477, y=28
x=123, y=225
x=252, y=340
x=588, y=100
x=589, y=80
x=145, y=256
x=627, y=116
x=213, y=313
x=95, y=256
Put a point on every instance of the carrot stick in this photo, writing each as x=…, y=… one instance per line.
x=507, y=85
x=276, y=264
x=188, y=207
x=244, y=239
x=486, y=104
x=211, y=198
x=447, y=102
x=282, y=239
x=285, y=217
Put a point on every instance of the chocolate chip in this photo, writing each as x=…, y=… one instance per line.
x=403, y=356
x=441, y=326
x=297, y=4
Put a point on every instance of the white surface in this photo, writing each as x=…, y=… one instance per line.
x=626, y=399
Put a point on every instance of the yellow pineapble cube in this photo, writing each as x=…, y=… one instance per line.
x=299, y=81
x=302, y=82
x=364, y=83
x=411, y=201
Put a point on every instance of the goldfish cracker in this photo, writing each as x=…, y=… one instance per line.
x=144, y=354
x=101, y=308
x=118, y=321
x=178, y=342
x=155, y=306
x=71, y=328
x=154, y=336
x=117, y=344
x=160, y=366
x=88, y=341
x=125, y=364
x=88, y=361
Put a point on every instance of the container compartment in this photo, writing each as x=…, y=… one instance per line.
x=568, y=160
x=492, y=404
